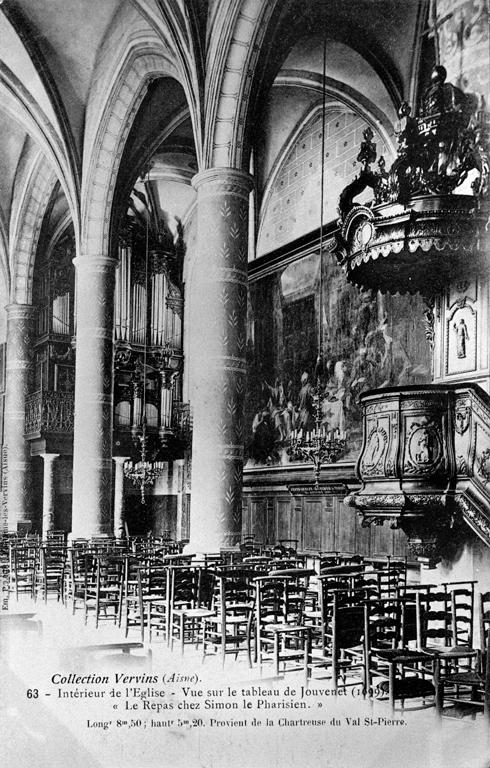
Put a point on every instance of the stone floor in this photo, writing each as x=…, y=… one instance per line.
x=180, y=712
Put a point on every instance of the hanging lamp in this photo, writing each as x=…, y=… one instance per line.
x=318, y=445
x=144, y=472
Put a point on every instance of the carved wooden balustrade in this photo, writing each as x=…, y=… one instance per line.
x=425, y=462
x=49, y=412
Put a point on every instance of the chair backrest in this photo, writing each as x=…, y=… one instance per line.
x=327, y=560
x=184, y=585
x=155, y=579
x=23, y=557
x=484, y=618
x=434, y=618
x=383, y=623
x=346, y=627
x=380, y=582
x=110, y=571
x=82, y=568
x=462, y=595
x=52, y=556
x=233, y=590
x=271, y=600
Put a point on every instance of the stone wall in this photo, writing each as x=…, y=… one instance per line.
x=291, y=206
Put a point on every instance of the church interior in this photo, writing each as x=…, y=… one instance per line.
x=244, y=349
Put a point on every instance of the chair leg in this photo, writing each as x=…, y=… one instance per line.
x=248, y=640
x=335, y=671
x=307, y=652
x=149, y=622
x=438, y=688
x=223, y=641
x=391, y=686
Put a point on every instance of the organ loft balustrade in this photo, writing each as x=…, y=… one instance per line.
x=425, y=464
x=49, y=412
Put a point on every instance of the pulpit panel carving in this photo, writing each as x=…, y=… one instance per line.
x=443, y=467
x=378, y=456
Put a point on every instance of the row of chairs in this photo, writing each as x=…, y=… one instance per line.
x=360, y=619
x=416, y=644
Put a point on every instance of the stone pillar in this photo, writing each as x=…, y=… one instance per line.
x=48, y=492
x=92, y=444
x=16, y=459
x=218, y=297
x=119, y=516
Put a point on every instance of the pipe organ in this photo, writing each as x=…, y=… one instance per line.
x=53, y=297
x=148, y=317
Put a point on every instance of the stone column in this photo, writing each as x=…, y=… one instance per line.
x=48, y=492
x=218, y=301
x=119, y=516
x=16, y=459
x=92, y=444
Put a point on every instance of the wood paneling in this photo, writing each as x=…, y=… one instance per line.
x=319, y=523
x=312, y=522
x=284, y=517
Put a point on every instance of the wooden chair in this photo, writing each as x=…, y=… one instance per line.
x=155, y=584
x=132, y=601
x=228, y=631
x=462, y=675
x=280, y=636
x=190, y=592
x=22, y=568
x=439, y=630
x=50, y=571
x=81, y=565
x=104, y=588
x=337, y=639
x=391, y=668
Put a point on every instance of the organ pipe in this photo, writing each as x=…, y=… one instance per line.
x=122, y=304
x=61, y=314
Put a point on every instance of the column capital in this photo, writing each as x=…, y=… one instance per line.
x=120, y=459
x=47, y=457
x=97, y=262
x=20, y=311
x=216, y=181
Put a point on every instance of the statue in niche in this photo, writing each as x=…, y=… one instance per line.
x=462, y=337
